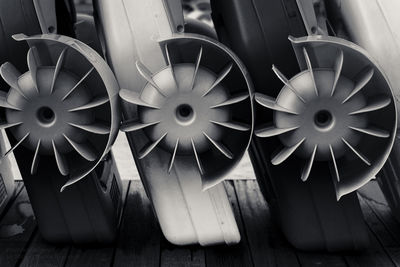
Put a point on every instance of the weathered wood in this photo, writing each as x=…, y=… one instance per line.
x=189, y=256
x=139, y=240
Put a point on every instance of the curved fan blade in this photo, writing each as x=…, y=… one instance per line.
x=232, y=100
x=270, y=103
x=147, y=149
x=36, y=158
x=285, y=153
x=358, y=153
x=310, y=69
x=233, y=125
x=60, y=160
x=272, y=131
x=4, y=103
x=33, y=63
x=85, y=150
x=197, y=64
x=96, y=128
x=223, y=149
x=131, y=126
x=5, y=125
x=372, y=131
x=197, y=158
x=307, y=169
x=134, y=98
x=60, y=62
x=78, y=83
x=286, y=82
x=338, y=70
x=172, y=160
x=16, y=145
x=366, y=75
x=10, y=75
x=147, y=75
x=225, y=71
x=170, y=64
x=98, y=101
x=376, y=104
x=334, y=163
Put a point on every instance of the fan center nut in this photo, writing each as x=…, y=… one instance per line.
x=185, y=114
x=46, y=116
x=323, y=119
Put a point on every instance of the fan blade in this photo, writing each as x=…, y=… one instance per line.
x=147, y=75
x=358, y=153
x=273, y=131
x=5, y=125
x=197, y=64
x=233, y=125
x=131, y=126
x=170, y=64
x=372, y=131
x=307, y=169
x=197, y=158
x=232, y=100
x=334, y=164
x=33, y=63
x=286, y=82
x=134, y=98
x=16, y=145
x=310, y=69
x=60, y=160
x=98, y=101
x=10, y=75
x=223, y=149
x=172, y=160
x=285, y=153
x=78, y=83
x=85, y=150
x=225, y=71
x=366, y=75
x=148, y=148
x=270, y=103
x=96, y=128
x=375, y=105
x=60, y=62
x=36, y=158
x=4, y=103
x=338, y=70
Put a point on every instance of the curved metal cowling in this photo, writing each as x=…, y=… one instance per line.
x=65, y=106
x=199, y=106
x=340, y=110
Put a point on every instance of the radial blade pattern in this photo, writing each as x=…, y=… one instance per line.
x=36, y=157
x=5, y=125
x=147, y=75
x=170, y=64
x=286, y=82
x=60, y=160
x=285, y=153
x=338, y=70
x=78, y=83
x=310, y=69
x=172, y=160
x=16, y=145
x=358, y=153
x=33, y=63
x=270, y=131
x=60, y=62
x=197, y=64
x=376, y=104
x=96, y=128
x=131, y=126
x=98, y=101
x=147, y=149
x=233, y=125
x=334, y=163
x=372, y=131
x=307, y=168
x=223, y=149
x=225, y=71
x=199, y=165
x=365, y=76
x=270, y=103
x=134, y=98
x=233, y=100
x=10, y=75
x=83, y=149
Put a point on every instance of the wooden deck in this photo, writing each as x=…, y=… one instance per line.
x=140, y=242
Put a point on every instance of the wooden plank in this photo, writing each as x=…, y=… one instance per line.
x=16, y=229
x=100, y=256
x=267, y=244
x=189, y=256
x=236, y=255
x=139, y=240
